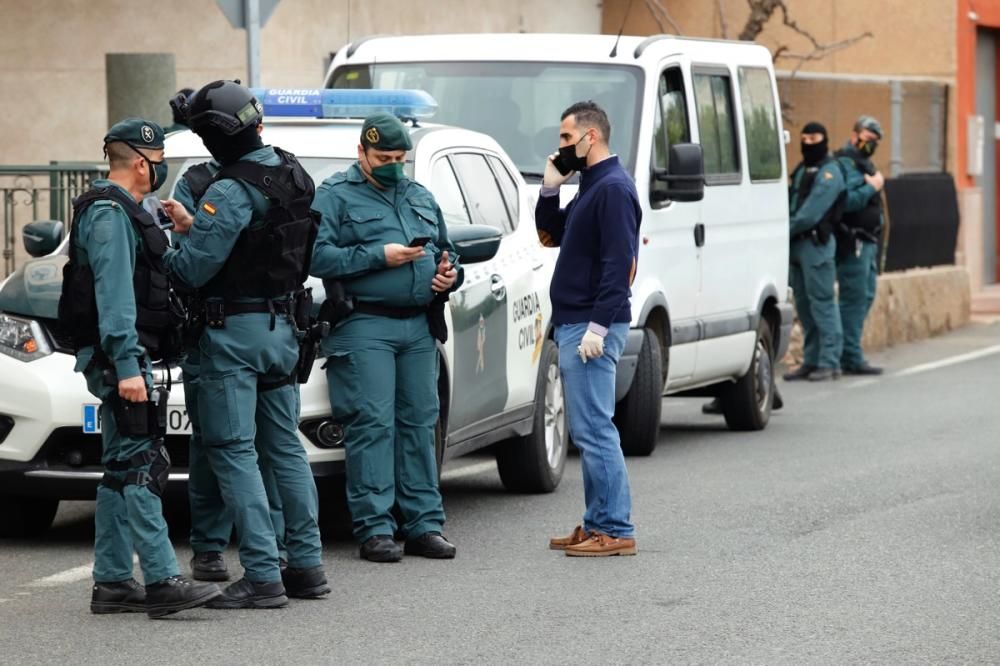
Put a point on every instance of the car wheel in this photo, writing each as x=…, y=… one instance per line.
x=26, y=516
x=746, y=403
x=637, y=415
x=535, y=463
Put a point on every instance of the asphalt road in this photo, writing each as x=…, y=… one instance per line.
x=861, y=527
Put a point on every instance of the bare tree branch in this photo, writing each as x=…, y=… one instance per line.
x=820, y=52
x=723, y=26
x=660, y=14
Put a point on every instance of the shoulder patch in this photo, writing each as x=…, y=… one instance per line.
x=209, y=208
x=827, y=175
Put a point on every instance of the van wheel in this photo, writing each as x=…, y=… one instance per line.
x=638, y=414
x=746, y=403
x=26, y=516
x=535, y=463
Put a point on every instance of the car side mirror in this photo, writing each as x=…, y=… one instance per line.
x=686, y=173
x=42, y=237
x=475, y=242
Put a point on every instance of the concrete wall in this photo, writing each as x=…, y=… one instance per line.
x=52, y=70
x=909, y=306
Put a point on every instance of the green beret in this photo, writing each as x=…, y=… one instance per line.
x=136, y=132
x=384, y=131
x=869, y=123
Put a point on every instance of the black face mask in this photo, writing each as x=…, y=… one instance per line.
x=227, y=149
x=866, y=147
x=569, y=157
x=813, y=153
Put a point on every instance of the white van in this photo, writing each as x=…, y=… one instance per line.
x=710, y=315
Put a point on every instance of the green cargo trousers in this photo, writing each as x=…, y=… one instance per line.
x=234, y=413
x=382, y=375
x=858, y=280
x=211, y=520
x=812, y=275
x=132, y=519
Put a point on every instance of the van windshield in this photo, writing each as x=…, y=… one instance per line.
x=517, y=103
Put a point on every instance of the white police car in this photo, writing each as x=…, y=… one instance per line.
x=499, y=381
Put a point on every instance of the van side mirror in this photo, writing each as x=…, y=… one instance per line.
x=475, y=242
x=42, y=237
x=686, y=173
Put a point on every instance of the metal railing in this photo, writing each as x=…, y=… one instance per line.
x=30, y=193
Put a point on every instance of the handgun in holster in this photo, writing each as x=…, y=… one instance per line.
x=139, y=419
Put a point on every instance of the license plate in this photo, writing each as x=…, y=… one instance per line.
x=178, y=422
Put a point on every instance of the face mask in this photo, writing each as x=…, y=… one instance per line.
x=387, y=175
x=159, y=174
x=867, y=147
x=569, y=157
x=157, y=170
x=812, y=153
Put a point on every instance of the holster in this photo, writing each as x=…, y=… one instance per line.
x=337, y=307
x=142, y=419
x=435, y=318
x=302, y=306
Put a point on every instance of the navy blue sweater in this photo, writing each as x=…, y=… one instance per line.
x=598, y=237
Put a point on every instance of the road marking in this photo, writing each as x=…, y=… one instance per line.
x=3, y=601
x=951, y=360
x=468, y=470
x=63, y=577
x=861, y=383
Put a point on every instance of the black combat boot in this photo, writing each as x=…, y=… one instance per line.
x=431, y=545
x=381, y=548
x=305, y=583
x=864, y=369
x=802, y=372
x=126, y=596
x=177, y=593
x=210, y=565
x=247, y=594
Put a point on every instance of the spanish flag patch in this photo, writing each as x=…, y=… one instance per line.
x=208, y=208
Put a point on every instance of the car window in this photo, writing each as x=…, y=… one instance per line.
x=508, y=187
x=713, y=97
x=670, y=126
x=482, y=191
x=760, y=118
x=448, y=194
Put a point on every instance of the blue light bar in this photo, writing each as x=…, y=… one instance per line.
x=344, y=103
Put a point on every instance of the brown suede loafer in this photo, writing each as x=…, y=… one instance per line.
x=602, y=545
x=579, y=535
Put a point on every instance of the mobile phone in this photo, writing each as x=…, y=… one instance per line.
x=419, y=241
x=151, y=203
x=560, y=166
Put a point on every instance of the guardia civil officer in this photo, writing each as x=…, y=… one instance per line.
x=857, y=242
x=247, y=251
x=382, y=365
x=117, y=325
x=814, y=201
x=211, y=520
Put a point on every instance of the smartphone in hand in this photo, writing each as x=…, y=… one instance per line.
x=560, y=165
x=419, y=241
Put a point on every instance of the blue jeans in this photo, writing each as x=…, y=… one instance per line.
x=590, y=403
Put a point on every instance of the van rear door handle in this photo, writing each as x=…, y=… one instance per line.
x=699, y=235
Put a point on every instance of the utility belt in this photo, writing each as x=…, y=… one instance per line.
x=819, y=235
x=339, y=306
x=852, y=239
x=155, y=478
x=216, y=311
x=138, y=419
x=393, y=312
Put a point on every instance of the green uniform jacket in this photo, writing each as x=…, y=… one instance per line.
x=358, y=220
x=826, y=188
x=106, y=241
x=228, y=207
x=859, y=192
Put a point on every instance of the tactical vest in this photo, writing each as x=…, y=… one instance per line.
x=834, y=214
x=159, y=316
x=869, y=218
x=270, y=259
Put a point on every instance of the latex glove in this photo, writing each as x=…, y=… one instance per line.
x=592, y=346
x=552, y=177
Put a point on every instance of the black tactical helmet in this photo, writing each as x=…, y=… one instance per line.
x=224, y=106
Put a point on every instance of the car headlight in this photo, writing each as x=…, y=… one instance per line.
x=22, y=338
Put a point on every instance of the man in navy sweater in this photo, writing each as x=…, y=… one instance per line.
x=597, y=234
